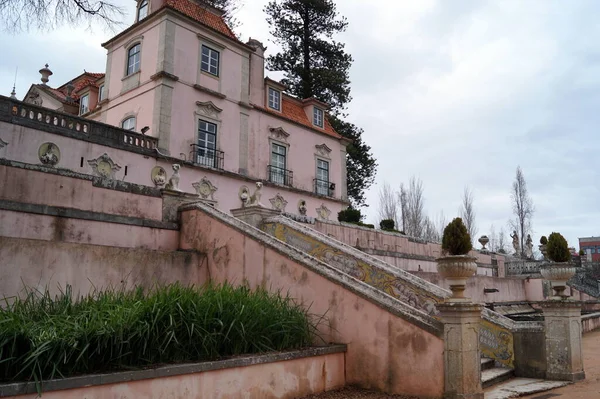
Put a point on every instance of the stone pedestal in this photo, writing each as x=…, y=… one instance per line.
x=562, y=319
x=462, y=356
x=254, y=214
x=172, y=200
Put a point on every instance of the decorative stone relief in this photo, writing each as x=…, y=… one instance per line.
x=323, y=150
x=278, y=202
x=323, y=212
x=279, y=134
x=173, y=183
x=205, y=189
x=158, y=176
x=104, y=166
x=207, y=108
x=3, y=144
x=34, y=98
x=244, y=194
x=302, y=207
x=49, y=154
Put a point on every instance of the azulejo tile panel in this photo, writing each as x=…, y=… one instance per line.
x=497, y=343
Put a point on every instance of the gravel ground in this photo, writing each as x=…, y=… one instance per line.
x=355, y=393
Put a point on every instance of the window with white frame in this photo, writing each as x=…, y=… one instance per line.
x=278, y=164
x=274, y=99
x=129, y=123
x=207, y=143
x=317, y=117
x=133, y=59
x=84, y=104
x=101, y=93
x=322, y=180
x=142, y=10
x=210, y=60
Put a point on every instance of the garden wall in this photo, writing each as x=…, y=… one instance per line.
x=389, y=348
x=590, y=322
x=276, y=376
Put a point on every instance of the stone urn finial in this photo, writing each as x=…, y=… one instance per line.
x=483, y=240
x=46, y=73
x=560, y=269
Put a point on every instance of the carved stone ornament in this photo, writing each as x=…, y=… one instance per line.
x=244, y=194
x=173, y=183
x=3, y=143
x=323, y=212
x=34, y=98
x=207, y=108
x=302, y=207
x=278, y=202
x=158, y=176
x=323, y=150
x=254, y=199
x=49, y=154
x=279, y=134
x=104, y=166
x=204, y=188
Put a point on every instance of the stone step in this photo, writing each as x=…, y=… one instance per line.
x=520, y=387
x=495, y=375
x=487, y=363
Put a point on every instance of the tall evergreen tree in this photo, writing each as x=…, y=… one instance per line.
x=315, y=65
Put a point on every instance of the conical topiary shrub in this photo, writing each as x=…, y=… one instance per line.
x=558, y=248
x=455, y=265
x=456, y=239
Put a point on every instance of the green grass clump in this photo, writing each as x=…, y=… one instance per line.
x=44, y=337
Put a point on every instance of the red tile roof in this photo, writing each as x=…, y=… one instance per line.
x=293, y=110
x=86, y=79
x=202, y=15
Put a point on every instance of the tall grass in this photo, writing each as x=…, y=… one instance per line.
x=44, y=337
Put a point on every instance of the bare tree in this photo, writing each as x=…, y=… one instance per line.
x=403, y=198
x=388, y=204
x=467, y=213
x=501, y=241
x=415, y=214
x=522, y=205
x=430, y=231
x=45, y=15
x=493, y=245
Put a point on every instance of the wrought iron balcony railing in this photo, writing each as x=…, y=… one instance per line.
x=280, y=176
x=324, y=187
x=208, y=157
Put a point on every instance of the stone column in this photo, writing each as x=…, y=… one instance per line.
x=562, y=319
x=462, y=356
x=254, y=214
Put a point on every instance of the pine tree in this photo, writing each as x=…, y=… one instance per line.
x=315, y=65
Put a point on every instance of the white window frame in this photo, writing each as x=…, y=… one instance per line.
x=143, y=3
x=211, y=52
x=136, y=65
x=318, y=117
x=129, y=118
x=320, y=188
x=101, y=90
x=209, y=160
x=274, y=99
x=277, y=172
x=84, y=109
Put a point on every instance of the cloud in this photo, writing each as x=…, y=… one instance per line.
x=455, y=92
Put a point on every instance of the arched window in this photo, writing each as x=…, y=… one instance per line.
x=133, y=58
x=129, y=123
x=142, y=10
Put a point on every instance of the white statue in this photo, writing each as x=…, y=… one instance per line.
x=529, y=247
x=515, y=242
x=254, y=199
x=173, y=183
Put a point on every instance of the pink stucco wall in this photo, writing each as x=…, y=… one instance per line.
x=385, y=352
x=277, y=380
x=387, y=243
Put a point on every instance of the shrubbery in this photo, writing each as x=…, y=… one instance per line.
x=350, y=215
x=456, y=239
x=558, y=248
x=387, y=224
x=42, y=337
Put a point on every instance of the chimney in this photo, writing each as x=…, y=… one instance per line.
x=45, y=72
x=257, y=72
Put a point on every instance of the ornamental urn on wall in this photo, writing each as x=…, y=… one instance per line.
x=560, y=269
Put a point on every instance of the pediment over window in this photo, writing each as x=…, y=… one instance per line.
x=323, y=150
x=209, y=109
x=279, y=133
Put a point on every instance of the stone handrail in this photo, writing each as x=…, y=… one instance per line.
x=522, y=268
x=36, y=117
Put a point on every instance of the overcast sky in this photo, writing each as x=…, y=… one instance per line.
x=454, y=92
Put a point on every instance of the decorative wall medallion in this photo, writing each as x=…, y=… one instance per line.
x=279, y=134
x=278, y=202
x=323, y=150
x=158, y=176
x=244, y=194
x=3, y=143
x=323, y=212
x=49, y=154
x=207, y=108
x=302, y=207
x=204, y=188
x=173, y=183
x=34, y=98
x=104, y=166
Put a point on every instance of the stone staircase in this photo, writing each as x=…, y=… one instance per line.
x=493, y=375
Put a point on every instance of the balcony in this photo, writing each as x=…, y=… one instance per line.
x=280, y=176
x=324, y=188
x=207, y=157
